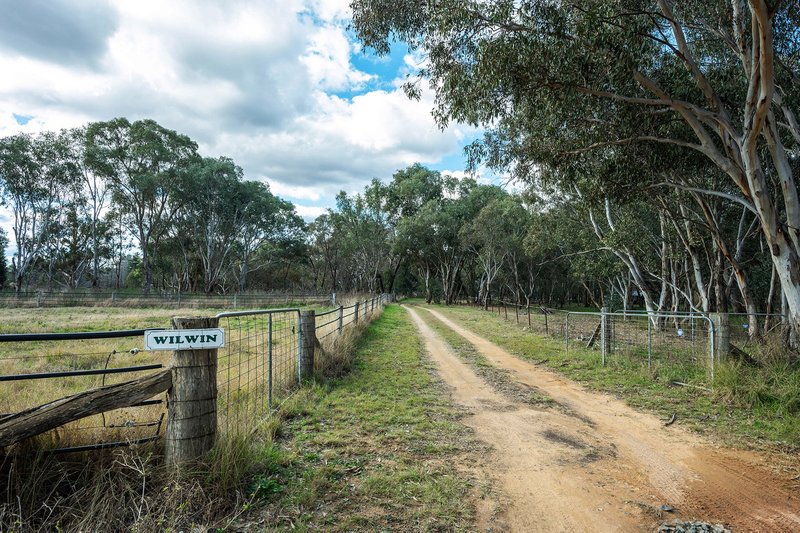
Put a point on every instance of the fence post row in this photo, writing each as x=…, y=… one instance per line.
x=192, y=400
x=308, y=331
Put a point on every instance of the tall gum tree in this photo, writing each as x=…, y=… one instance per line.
x=34, y=174
x=145, y=165
x=724, y=71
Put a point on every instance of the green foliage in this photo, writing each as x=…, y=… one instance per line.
x=640, y=104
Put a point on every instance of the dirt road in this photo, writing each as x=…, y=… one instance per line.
x=595, y=464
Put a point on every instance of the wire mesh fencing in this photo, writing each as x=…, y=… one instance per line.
x=260, y=365
x=266, y=355
x=36, y=369
x=330, y=326
x=257, y=368
x=687, y=343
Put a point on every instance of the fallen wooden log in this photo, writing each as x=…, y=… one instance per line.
x=31, y=422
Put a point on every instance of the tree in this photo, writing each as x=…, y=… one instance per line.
x=213, y=216
x=146, y=166
x=409, y=190
x=266, y=218
x=3, y=264
x=555, y=80
x=491, y=236
x=92, y=191
x=34, y=174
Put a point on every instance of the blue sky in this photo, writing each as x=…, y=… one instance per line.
x=280, y=86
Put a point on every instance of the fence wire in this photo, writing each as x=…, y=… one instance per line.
x=36, y=372
x=686, y=343
x=258, y=368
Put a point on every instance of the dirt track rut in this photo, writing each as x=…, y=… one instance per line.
x=595, y=464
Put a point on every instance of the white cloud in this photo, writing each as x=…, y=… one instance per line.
x=327, y=59
x=250, y=79
x=304, y=193
x=330, y=11
x=309, y=212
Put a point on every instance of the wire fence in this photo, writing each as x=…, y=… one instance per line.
x=258, y=368
x=683, y=343
x=36, y=299
x=44, y=367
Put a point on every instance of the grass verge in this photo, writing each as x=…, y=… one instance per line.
x=371, y=450
x=748, y=406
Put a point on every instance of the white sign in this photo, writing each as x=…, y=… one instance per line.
x=184, y=339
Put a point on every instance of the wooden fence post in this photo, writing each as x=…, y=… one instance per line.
x=340, y=320
x=192, y=400
x=309, y=334
x=722, y=336
x=605, y=335
x=355, y=314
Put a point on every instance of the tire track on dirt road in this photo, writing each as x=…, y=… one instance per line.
x=660, y=465
x=543, y=460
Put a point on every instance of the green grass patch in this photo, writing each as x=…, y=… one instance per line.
x=372, y=450
x=748, y=406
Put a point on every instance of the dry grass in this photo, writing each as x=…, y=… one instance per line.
x=242, y=364
x=334, y=354
x=128, y=488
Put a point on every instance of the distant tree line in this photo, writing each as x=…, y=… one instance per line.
x=448, y=239
x=87, y=200
x=80, y=198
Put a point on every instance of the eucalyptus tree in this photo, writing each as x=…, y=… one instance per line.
x=265, y=219
x=325, y=240
x=35, y=172
x=366, y=236
x=3, y=263
x=92, y=192
x=73, y=258
x=492, y=236
x=146, y=167
x=417, y=239
x=214, y=215
x=555, y=79
x=565, y=254
x=409, y=189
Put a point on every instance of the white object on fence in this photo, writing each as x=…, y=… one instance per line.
x=185, y=339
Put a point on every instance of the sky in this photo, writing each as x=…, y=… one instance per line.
x=280, y=86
